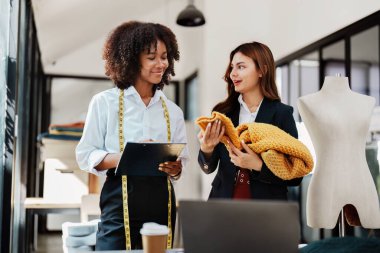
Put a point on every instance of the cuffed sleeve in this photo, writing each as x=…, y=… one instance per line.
x=90, y=150
x=94, y=159
x=209, y=165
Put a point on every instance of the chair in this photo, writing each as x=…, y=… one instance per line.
x=82, y=236
x=79, y=236
x=89, y=207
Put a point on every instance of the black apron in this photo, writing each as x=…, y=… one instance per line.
x=147, y=202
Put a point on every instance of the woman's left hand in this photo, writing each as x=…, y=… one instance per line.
x=173, y=169
x=245, y=160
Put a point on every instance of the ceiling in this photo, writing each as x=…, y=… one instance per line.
x=71, y=33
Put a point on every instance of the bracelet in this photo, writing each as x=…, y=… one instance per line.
x=175, y=177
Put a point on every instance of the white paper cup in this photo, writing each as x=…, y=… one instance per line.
x=154, y=237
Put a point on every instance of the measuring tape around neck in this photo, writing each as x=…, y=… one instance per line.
x=124, y=181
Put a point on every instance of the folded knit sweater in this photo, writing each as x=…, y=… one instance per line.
x=285, y=156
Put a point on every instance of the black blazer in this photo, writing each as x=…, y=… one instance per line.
x=264, y=184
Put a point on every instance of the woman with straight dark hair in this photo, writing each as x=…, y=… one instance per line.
x=252, y=97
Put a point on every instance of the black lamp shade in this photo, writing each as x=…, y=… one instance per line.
x=191, y=16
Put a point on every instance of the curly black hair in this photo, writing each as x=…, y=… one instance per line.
x=125, y=44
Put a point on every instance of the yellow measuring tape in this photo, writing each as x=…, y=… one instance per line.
x=124, y=177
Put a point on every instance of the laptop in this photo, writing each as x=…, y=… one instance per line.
x=226, y=226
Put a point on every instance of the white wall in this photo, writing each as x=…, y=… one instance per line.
x=70, y=98
x=72, y=33
x=189, y=185
x=285, y=26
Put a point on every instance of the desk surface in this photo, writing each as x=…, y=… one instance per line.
x=140, y=251
x=167, y=251
x=41, y=203
x=45, y=206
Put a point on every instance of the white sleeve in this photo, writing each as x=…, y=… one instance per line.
x=180, y=137
x=90, y=150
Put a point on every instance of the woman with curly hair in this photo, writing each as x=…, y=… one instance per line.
x=139, y=59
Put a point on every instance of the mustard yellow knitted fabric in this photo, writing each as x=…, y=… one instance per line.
x=285, y=156
x=230, y=131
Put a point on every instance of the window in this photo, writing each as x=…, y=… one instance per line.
x=333, y=59
x=309, y=73
x=294, y=87
x=80, y=92
x=191, y=97
x=171, y=92
x=365, y=62
x=282, y=81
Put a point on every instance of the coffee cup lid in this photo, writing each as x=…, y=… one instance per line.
x=151, y=228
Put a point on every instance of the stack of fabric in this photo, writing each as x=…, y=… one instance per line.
x=79, y=236
x=71, y=131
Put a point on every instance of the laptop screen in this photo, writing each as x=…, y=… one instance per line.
x=225, y=226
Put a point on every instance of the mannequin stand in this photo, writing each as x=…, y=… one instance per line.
x=342, y=228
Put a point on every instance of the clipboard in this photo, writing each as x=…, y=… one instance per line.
x=143, y=159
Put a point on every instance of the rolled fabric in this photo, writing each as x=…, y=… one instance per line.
x=80, y=228
x=285, y=156
x=230, y=131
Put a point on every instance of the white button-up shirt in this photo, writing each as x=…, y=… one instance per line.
x=245, y=115
x=101, y=131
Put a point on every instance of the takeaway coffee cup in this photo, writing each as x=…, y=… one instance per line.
x=154, y=237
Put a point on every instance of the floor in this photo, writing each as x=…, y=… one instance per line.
x=52, y=242
x=49, y=242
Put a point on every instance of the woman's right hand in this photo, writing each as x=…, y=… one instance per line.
x=211, y=136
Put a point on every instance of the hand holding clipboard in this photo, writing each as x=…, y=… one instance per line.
x=143, y=159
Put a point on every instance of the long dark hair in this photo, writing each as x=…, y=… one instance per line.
x=263, y=59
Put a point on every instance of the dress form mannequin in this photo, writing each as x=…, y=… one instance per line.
x=338, y=120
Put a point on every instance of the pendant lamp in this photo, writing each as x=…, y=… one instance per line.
x=191, y=16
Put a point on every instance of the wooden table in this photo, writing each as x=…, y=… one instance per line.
x=43, y=206
x=37, y=206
